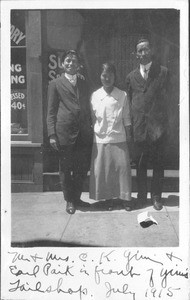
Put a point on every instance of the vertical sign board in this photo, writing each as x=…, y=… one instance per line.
x=18, y=74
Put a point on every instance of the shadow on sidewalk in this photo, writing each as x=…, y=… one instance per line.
x=103, y=205
x=47, y=243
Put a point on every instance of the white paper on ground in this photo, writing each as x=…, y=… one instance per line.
x=145, y=217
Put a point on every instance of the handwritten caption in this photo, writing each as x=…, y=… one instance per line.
x=126, y=274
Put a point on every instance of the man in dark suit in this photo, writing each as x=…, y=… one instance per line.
x=147, y=90
x=69, y=128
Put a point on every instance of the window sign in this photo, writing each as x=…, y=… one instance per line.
x=18, y=37
x=55, y=68
x=18, y=68
x=19, y=124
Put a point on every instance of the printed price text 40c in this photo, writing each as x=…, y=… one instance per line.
x=18, y=105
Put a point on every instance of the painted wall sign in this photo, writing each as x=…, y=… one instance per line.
x=55, y=68
x=18, y=68
x=18, y=111
x=19, y=122
x=18, y=100
x=18, y=36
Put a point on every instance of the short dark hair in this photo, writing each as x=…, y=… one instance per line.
x=71, y=53
x=142, y=40
x=109, y=67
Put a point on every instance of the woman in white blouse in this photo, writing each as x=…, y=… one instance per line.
x=110, y=174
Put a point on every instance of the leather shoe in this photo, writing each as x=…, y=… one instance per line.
x=157, y=202
x=70, y=208
x=127, y=205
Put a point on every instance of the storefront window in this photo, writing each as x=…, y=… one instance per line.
x=19, y=122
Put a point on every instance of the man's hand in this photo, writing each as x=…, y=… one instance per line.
x=54, y=142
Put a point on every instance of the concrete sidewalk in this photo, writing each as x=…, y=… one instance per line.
x=39, y=219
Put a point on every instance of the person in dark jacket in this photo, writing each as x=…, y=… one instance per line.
x=147, y=91
x=69, y=128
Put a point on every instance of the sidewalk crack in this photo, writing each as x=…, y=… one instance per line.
x=65, y=227
x=172, y=224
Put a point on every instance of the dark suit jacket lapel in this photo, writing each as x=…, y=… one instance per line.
x=68, y=85
x=77, y=88
x=147, y=82
x=153, y=74
x=139, y=77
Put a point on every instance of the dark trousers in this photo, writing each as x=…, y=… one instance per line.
x=74, y=163
x=150, y=152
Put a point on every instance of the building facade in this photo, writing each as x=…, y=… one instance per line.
x=38, y=40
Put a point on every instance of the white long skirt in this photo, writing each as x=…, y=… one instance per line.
x=110, y=172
